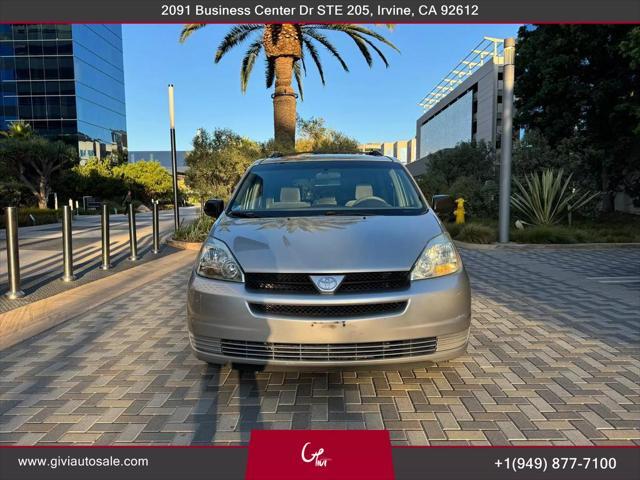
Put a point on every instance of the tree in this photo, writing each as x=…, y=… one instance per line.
x=94, y=178
x=18, y=129
x=467, y=170
x=532, y=153
x=35, y=160
x=578, y=85
x=285, y=46
x=147, y=179
x=217, y=162
x=316, y=137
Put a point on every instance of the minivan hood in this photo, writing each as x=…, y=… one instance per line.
x=327, y=244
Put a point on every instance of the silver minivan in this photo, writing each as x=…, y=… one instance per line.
x=327, y=260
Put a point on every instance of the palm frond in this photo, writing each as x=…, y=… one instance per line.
x=304, y=64
x=270, y=71
x=188, y=29
x=351, y=27
x=362, y=46
x=377, y=50
x=236, y=35
x=248, y=62
x=324, y=41
x=315, y=56
x=297, y=72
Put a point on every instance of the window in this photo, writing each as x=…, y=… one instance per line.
x=65, y=67
x=36, y=68
x=51, y=67
x=68, y=107
x=350, y=187
x=448, y=127
x=24, y=88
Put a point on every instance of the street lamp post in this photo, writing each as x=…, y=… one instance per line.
x=174, y=161
x=506, y=139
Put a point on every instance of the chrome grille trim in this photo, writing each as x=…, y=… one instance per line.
x=328, y=352
x=356, y=282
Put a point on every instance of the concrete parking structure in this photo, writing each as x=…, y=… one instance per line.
x=553, y=359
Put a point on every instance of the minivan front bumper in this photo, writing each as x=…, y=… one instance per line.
x=227, y=324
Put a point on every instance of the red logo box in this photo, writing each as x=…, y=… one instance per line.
x=319, y=454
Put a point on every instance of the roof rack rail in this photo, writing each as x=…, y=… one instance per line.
x=277, y=154
x=375, y=153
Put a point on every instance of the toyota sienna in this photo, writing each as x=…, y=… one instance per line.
x=327, y=260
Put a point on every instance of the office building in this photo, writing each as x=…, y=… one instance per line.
x=67, y=82
x=403, y=150
x=465, y=106
x=161, y=156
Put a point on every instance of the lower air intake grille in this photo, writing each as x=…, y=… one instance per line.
x=327, y=311
x=328, y=352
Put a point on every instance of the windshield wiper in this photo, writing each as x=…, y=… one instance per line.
x=348, y=213
x=242, y=214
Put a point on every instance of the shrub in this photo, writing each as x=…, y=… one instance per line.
x=476, y=233
x=42, y=216
x=196, y=231
x=549, y=234
x=453, y=228
x=544, y=198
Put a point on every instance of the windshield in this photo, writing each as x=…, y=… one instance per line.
x=326, y=188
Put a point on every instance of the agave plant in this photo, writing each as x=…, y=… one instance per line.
x=286, y=46
x=543, y=199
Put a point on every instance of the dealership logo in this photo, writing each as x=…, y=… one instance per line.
x=326, y=283
x=316, y=457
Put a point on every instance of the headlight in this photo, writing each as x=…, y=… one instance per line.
x=437, y=259
x=216, y=261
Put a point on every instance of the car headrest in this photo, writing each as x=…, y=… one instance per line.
x=363, y=190
x=289, y=194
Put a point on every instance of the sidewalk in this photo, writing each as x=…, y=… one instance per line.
x=41, y=253
x=38, y=316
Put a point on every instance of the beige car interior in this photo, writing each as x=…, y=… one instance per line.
x=290, y=198
x=363, y=190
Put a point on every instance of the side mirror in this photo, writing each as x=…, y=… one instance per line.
x=214, y=207
x=443, y=205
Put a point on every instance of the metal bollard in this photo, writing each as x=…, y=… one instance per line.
x=133, y=242
x=106, y=247
x=156, y=228
x=67, y=245
x=13, y=257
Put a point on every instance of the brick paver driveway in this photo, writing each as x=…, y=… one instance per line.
x=553, y=359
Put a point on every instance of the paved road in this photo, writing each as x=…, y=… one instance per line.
x=41, y=246
x=554, y=359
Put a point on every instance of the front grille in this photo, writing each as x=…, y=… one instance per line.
x=280, y=282
x=328, y=311
x=359, y=282
x=327, y=352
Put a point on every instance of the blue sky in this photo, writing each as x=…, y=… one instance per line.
x=377, y=104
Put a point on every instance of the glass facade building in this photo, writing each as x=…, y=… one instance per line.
x=66, y=81
x=452, y=125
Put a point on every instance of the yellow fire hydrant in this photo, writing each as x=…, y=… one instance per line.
x=459, y=211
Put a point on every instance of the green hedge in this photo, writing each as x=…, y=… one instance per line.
x=42, y=216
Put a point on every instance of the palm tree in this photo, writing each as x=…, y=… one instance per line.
x=285, y=46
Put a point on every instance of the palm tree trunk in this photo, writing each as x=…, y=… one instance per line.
x=284, y=104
